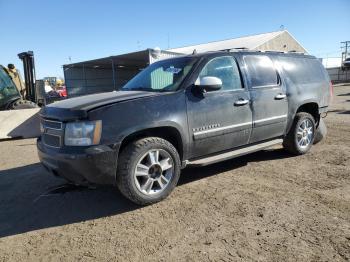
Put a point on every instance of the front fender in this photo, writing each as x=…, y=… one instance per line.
x=126, y=118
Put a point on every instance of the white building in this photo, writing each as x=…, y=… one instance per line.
x=274, y=41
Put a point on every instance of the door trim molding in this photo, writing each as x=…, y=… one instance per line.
x=233, y=128
x=263, y=121
x=221, y=130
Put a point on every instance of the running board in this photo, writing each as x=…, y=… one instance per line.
x=232, y=154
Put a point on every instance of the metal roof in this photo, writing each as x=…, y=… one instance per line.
x=138, y=58
x=246, y=42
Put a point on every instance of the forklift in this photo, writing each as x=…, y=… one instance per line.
x=20, y=103
x=12, y=93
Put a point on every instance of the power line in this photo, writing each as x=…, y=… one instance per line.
x=345, y=46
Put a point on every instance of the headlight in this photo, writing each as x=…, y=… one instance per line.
x=41, y=128
x=84, y=133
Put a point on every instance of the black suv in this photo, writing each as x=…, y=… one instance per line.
x=189, y=110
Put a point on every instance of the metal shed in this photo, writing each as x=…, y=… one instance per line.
x=109, y=73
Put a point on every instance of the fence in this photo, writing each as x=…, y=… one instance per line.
x=337, y=75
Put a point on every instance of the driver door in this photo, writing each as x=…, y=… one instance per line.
x=219, y=120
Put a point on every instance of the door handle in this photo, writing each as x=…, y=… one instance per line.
x=280, y=96
x=241, y=102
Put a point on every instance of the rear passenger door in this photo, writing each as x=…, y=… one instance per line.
x=268, y=98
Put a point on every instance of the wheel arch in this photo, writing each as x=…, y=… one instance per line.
x=312, y=108
x=169, y=133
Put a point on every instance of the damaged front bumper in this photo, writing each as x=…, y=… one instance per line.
x=92, y=165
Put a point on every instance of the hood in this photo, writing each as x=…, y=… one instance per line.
x=78, y=107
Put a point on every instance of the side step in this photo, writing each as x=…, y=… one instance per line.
x=234, y=153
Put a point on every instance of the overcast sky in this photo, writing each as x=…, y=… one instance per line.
x=57, y=30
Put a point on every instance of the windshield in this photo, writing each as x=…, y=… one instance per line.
x=161, y=76
x=8, y=90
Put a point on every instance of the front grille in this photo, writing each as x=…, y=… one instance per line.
x=52, y=124
x=52, y=133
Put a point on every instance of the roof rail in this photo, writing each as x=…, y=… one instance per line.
x=240, y=49
x=296, y=52
x=274, y=51
x=244, y=49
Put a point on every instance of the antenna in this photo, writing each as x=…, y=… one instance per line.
x=194, y=52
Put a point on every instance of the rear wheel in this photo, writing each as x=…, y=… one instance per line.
x=301, y=136
x=148, y=170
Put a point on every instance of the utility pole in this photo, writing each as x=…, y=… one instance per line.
x=345, y=47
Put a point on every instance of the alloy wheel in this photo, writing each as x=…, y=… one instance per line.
x=154, y=171
x=305, y=133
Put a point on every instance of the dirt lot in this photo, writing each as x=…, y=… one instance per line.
x=268, y=206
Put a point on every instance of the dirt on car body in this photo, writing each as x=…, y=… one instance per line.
x=267, y=206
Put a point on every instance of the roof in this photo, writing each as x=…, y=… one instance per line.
x=138, y=58
x=246, y=42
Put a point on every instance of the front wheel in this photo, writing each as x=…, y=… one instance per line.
x=301, y=136
x=148, y=170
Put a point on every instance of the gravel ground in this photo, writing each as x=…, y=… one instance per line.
x=267, y=206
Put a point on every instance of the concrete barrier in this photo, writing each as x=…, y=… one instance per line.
x=23, y=123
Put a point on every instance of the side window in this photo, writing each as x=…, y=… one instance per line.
x=302, y=70
x=226, y=69
x=261, y=71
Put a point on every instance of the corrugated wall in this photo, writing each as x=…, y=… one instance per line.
x=83, y=81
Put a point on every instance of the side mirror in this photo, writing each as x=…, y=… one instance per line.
x=208, y=83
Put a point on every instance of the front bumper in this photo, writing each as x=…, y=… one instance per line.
x=94, y=165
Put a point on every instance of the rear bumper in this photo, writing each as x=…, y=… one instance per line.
x=95, y=165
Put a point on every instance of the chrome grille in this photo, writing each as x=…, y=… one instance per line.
x=52, y=124
x=53, y=133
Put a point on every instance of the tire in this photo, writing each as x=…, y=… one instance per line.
x=297, y=142
x=141, y=173
x=23, y=104
x=321, y=132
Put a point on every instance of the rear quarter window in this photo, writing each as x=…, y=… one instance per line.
x=303, y=70
x=261, y=71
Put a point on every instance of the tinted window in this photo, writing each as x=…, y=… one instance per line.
x=303, y=70
x=261, y=71
x=226, y=69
